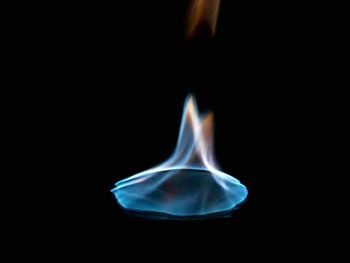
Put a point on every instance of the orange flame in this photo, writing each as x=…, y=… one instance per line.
x=202, y=131
x=202, y=17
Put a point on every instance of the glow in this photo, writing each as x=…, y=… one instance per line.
x=202, y=13
x=189, y=183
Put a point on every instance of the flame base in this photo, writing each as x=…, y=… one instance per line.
x=180, y=192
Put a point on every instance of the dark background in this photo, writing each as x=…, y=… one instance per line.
x=115, y=78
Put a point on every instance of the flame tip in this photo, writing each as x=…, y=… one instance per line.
x=190, y=101
x=208, y=115
x=190, y=96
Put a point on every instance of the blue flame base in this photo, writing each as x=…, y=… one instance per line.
x=180, y=192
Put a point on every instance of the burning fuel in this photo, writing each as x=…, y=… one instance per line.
x=189, y=183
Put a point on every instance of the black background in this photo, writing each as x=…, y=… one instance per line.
x=115, y=78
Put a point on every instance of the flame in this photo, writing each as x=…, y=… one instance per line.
x=189, y=183
x=202, y=14
x=195, y=138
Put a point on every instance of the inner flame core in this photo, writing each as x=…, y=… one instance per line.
x=189, y=183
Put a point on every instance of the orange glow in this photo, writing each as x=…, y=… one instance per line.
x=202, y=15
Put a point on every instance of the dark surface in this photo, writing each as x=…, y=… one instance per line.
x=113, y=104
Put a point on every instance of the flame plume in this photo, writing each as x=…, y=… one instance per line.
x=202, y=17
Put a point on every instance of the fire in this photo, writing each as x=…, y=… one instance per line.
x=202, y=16
x=189, y=183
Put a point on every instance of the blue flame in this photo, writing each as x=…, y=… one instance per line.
x=189, y=183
